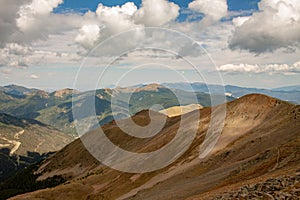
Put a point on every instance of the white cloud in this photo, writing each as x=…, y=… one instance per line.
x=32, y=15
x=276, y=25
x=8, y=14
x=239, y=21
x=88, y=35
x=270, y=68
x=33, y=76
x=28, y=21
x=14, y=55
x=116, y=19
x=17, y=49
x=156, y=12
x=107, y=22
x=213, y=9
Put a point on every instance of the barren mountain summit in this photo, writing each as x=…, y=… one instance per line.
x=63, y=92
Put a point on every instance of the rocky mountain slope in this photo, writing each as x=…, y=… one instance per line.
x=258, y=145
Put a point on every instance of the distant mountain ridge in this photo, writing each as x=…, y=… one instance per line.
x=288, y=88
x=55, y=108
x=17, y=90
x=291, y=94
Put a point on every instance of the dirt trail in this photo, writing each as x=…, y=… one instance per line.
x=38, y=146
x=16, y=143
x=17, y=135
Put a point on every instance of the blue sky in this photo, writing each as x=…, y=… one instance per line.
x=253, y=43
x=80, y=5
x=83, y=6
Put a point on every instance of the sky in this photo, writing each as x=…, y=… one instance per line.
x=55, y=44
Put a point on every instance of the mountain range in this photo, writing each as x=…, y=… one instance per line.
x=55, y=108
x=35, y=123
x=288, y=93
x=256, y=157
x=37, y=132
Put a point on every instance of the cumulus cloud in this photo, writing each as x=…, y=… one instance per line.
x=8, y=15
x=271, y=68
x=88, y=35
x=117, y=18
x=30, y=15
x=33, y=19
x=27, y=21
x=23, y=24
x=213, y=9
x=107, y=22
x=276, y=25
x=156, y=12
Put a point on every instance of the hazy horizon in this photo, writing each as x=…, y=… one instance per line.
x=113, y=86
